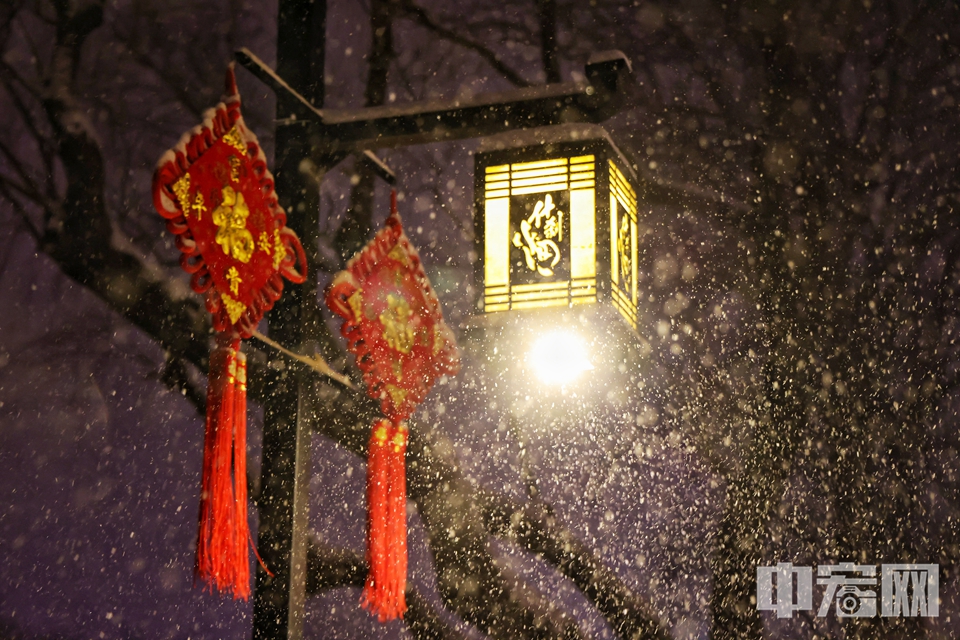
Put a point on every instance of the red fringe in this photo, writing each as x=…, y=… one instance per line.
x=384, y=593
x=224, y=533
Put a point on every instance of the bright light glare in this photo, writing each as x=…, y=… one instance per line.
x=558, y=357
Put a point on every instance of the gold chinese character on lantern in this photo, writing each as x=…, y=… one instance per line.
x=624, y=250
x=541, y=251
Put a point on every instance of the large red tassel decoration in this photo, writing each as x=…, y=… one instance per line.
x=224, y=533
x=217, y=195
x=393, y=324
x=384, y=592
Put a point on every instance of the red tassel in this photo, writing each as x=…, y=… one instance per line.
x=224, y=533
x=397, y=499
x=384, y=593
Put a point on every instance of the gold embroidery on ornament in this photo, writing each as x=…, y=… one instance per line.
x=396, y=324
x=235, y=308
x=438, y=340
x=235, y=139
x=264, y=243
x=356, y=305
x=397, y=395
x=199, y=206
x=234, y=277
x=242, y=372
x=279, y=251
x=234, y=168
x=182, y=190
x=398, y=254
x=231, y=220
x=399, y=439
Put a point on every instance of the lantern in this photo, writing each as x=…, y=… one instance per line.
x=556, y=222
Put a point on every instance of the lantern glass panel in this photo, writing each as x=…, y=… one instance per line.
x=540, y=233
x=623, y=245
x=557, y=218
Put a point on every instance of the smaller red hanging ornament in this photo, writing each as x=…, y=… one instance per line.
x=217, y=195
x=394, y=327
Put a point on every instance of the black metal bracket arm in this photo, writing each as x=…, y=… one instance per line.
x=338, y=132
x=379, y=167
x=299, y=107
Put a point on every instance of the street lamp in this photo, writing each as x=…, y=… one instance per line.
x=556, y=232
x=556, y=222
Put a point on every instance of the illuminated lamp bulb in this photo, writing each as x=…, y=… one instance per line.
x=558, y=357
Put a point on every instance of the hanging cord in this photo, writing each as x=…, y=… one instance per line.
x=315, y=362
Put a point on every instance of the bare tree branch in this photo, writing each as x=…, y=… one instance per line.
x=9, y=75
x=420, y=16
x=21, y=211
x=534, y=527
x=470, y=581
x=329, y=568
x=27, y=187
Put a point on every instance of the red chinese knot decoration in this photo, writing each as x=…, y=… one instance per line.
x=394, y=327
x=217, y=195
